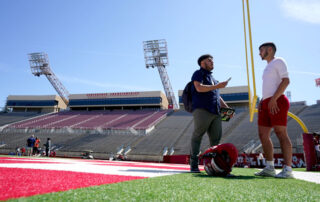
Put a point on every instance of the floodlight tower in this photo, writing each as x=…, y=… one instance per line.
x=39, y=63
x=156, y=55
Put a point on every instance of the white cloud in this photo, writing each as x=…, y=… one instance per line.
x=304, y=10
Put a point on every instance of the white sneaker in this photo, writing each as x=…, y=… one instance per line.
x=285, y=173
x=266, y=172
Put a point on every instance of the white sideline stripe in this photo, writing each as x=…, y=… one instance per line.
x=88, y=167
x=102, y=162
x=307, y=176
x=111, y=168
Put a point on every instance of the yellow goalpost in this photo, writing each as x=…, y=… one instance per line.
x=253, y=96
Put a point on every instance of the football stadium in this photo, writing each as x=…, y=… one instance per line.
x=135, y=145
x=102, y=139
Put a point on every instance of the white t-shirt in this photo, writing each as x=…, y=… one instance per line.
x=272, y=76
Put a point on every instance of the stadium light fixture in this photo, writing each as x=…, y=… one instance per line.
x=39, y=63
x=156, y=55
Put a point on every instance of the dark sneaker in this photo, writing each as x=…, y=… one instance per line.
x=230, y=175
x=194, y=169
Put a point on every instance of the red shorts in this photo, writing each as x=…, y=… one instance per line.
x=265, y=118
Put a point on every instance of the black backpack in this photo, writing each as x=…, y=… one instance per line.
x=187, y=97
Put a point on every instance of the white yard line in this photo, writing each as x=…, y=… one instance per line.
x=307, y=176
x=100, y=167
x=110, y=170
x=126, y=168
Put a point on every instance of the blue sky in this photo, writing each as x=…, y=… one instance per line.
x=95, y=46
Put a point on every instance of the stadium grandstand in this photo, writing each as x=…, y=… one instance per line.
x=138, y=125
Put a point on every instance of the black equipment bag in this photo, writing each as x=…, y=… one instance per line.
x=187, y=97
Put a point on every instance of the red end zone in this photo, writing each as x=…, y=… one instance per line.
x=19, y=182
x=23, y=177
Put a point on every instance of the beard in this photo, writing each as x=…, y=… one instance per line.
x=263, y=57
x=208, y=67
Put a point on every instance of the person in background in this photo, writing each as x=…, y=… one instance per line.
x=244, y=157
x=36, y=146
x=48, y=147
x=30, y=144
x=18, y=151
x=260, y=160
x=23, y=151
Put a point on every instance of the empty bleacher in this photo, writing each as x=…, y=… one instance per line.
x=118, y=119
x=244, y=132
x=183, y=142
x=98, y=143
x=7, y=118
x=227, y=128
x=176, y=131
x=310, y=115
x=182, y=146
x=165, y=134
x=73, y=143
x=173, y=130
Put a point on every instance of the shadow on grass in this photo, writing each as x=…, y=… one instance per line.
x=230, y=177
x=152, y=171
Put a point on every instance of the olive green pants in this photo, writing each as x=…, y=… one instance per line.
x=204, y=121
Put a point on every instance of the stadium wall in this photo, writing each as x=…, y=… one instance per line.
x=35, y=103
x=249, y=160
x=89, y=101
x=118, y=100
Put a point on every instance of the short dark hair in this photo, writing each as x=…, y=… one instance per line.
x=269, y=44
x=203, y=57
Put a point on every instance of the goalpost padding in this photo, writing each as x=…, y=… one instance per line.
x=310, y=152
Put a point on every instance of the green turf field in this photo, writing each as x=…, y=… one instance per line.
x=194, y=187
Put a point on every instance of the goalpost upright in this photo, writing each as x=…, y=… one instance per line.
x=253, y=98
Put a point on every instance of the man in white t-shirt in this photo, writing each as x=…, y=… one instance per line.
x=273, y=110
